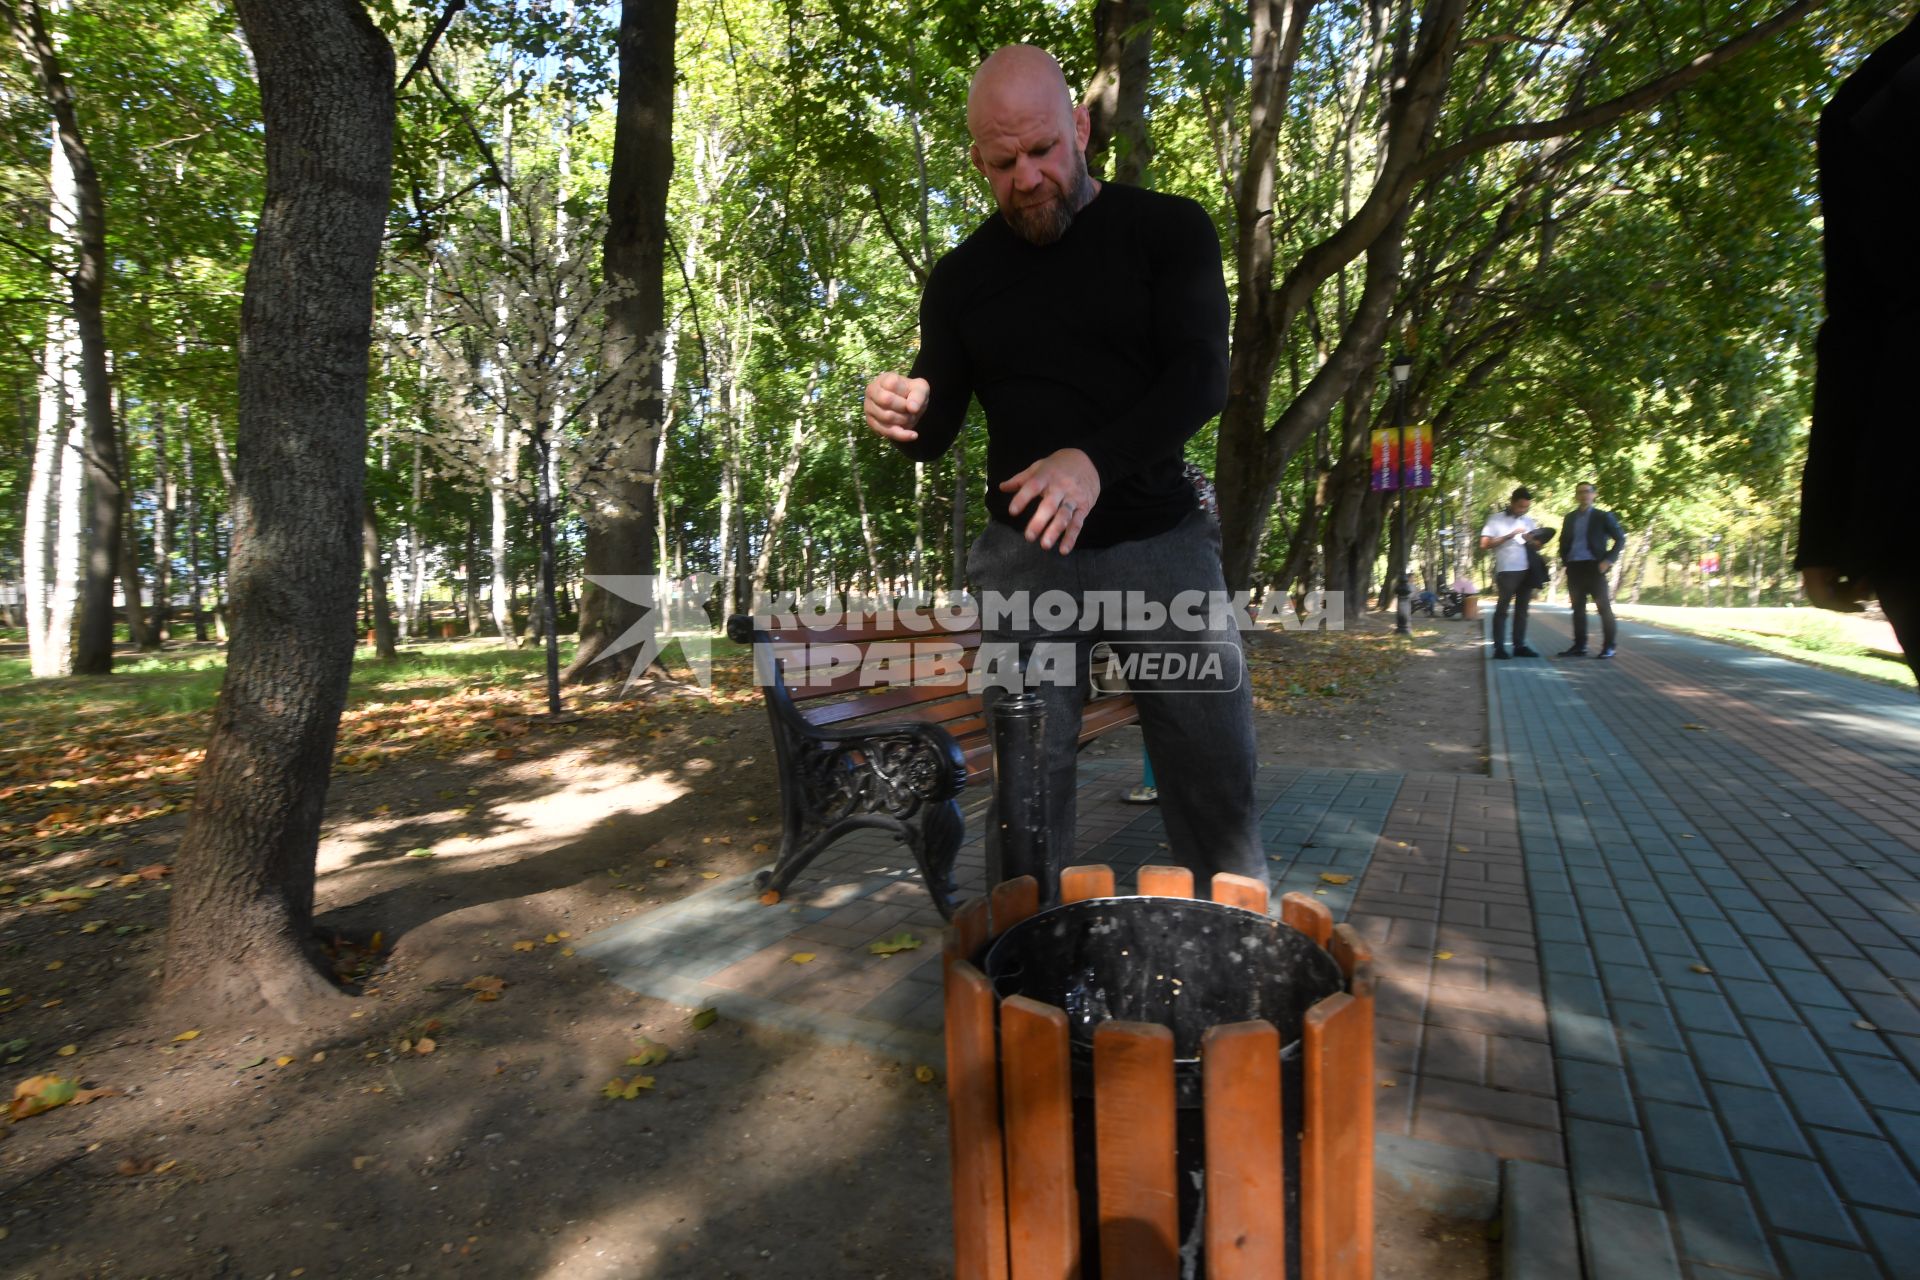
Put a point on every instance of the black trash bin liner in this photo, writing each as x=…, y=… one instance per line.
x=1186, y=964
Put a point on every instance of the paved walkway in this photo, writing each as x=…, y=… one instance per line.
x=1722, y=854
x=1671, y=947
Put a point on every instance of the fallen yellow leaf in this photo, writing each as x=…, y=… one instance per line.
x=709, y=875
x=1443, y=955
x=923, y=1073
x=704, y=1018
x=627, y=1089
x=662, y=862
x=1335, y=877
x=67, y=1050
x=361, y=1162
x=898, y=942
x=184, y=1036
x=284, y=1060
x=425, y=1044
x=551, y=938
x=801, y=957
x=524, y=946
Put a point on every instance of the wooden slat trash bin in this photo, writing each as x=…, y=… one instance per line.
x=1070, y=1133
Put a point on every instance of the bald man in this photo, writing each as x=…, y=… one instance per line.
x=1091, y=322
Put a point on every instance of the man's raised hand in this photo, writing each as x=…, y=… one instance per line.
x=894, y=403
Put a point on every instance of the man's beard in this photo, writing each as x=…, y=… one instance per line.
x=1044, y=223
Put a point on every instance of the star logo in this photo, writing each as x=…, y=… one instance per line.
x=673, y=607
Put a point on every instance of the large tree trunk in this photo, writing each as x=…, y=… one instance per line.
x=373, y=565
x=243, y=901
x=634, y=255
x=86, y=276
x=1117, y=99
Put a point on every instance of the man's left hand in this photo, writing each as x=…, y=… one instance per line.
x=1062, y=488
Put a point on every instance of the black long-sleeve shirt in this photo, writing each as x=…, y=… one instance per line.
x=1112, y=340
x=1856, y=494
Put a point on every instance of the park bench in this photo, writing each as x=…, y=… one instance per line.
x=872, y=730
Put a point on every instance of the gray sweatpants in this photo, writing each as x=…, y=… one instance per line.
x=1198, y=727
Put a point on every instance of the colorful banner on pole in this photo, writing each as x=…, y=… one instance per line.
x=1386, y=460
x=1417, y=466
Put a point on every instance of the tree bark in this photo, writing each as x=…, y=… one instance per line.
x=633, y=257
x=86, y=286
x=1117, y=99
x=238, y=941
x=373, y=565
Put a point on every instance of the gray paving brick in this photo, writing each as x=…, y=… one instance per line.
x=1824, y=1098
x=1609, y=1160
x=1811, y=1260
x=1716, y=1225
x=1840, y=1029
x=1795, y=1195
x=1727, y=1057
x=1623, y=1241
x=1648, y=1022
x=1807, y=988
x=1756, y=1117
x=1592, y=1091
x=1867, y=1170
x=1788, y=1044
x=1757, y=999
x=1881, y=1082
x=1688, y=1140
x=1664, y=1074
x=1895, y=1235
x=1704, y=1011
x=1631, y=982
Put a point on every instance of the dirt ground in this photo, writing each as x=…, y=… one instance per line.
x=467, y=1119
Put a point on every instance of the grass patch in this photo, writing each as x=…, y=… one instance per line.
x=1813, y=637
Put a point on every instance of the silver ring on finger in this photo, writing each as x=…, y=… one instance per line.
x=1071, y=509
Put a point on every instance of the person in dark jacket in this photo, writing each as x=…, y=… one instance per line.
x=1856, y=493
x=1591, y=544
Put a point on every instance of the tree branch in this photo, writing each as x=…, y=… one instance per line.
x=426, y=50
x=1603, y=113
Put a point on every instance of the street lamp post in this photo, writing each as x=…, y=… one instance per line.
x=1403, y=607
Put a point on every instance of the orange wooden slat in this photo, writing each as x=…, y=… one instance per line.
x=1043, y=1229
x=1246, y=1228
x=1309, y=915
x=861, y=628
x=1089, y=880
x=1139, y=1201
x=1239, y=891
x=1165, y=882
x=922, y=703
x=902, y=658
x=1102, y=714
x=973, y=1123
x=966, y=932
x=1336, y=1146
x=1013, y=901
x=1355, y=958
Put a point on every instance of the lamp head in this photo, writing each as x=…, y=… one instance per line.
x=1402, y=369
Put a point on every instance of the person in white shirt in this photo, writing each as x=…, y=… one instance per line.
x=1507, y=534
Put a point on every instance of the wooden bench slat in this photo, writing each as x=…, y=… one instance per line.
x=926, y=627
x=1246, y=1231
x=1139, y=1201
x=804, y=683
x=885, y=700
x=1043, y=1229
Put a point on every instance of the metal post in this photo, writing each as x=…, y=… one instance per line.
x=1403, y=606
x=1020, y=793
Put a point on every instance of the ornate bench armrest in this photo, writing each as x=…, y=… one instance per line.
x=900, y=763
